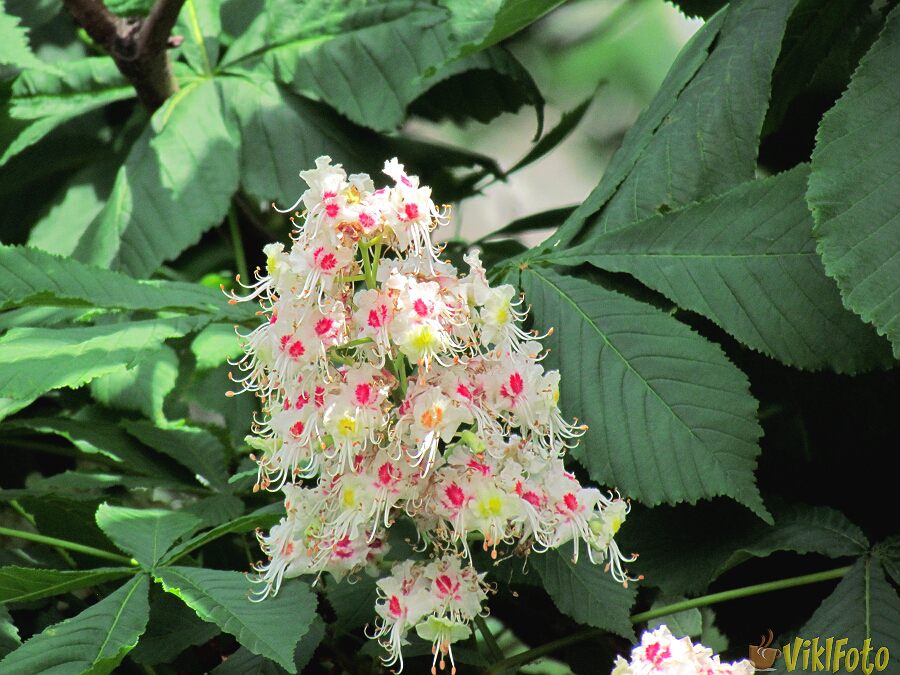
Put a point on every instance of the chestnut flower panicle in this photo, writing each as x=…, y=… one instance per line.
x=394, y=387
x=661, y=653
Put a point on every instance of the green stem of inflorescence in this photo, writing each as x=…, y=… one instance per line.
x=240, y=258
x=68, y=545
x=522, y=658
x=370, y=254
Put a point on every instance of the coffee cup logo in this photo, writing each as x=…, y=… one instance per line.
x=762, y=656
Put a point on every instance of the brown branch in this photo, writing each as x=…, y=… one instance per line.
x=138, y=46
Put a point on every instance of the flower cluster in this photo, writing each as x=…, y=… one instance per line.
x=392, y=386
x=660, y=653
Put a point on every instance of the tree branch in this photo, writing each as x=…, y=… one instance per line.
x=92, y=15
x=138, y=46
x=154, y=34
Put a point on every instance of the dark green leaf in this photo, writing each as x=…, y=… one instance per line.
x=556, y=135
x=214, y=345
x=704, y=8
x=197, y=449
x=94, y=641
x=146, y=534
x=746, y=260
x=23, y=584
x=173, y=628
x=585, y=592
x=162, y=201
x=217, y=509
x=142, y=388
x=9, y=634
x=671, y=418
x=34, y=277
x=480, y=87
x=77, y=87
x=200, y=25
x=35, y=360
x=245, y=662
x=270, y=628
x=353, y=603
x=853, y=190
x=864, y=606
x=14, y=48
x=78, y=202
x=52, y=97
x=477, y=24
x=691, y=58
x=708, y=142
x=262, y=518
x=94, y=434
x=538, y=221
x=689, y=622
x=281, y=134
x=689, y=562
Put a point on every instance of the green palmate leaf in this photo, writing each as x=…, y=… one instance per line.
x=197, y=449
x=173, y=628
x=746, y=260
x=200, y=25
x=352, y=603
x=262, y=518
x=708, y=142
x=888, y=552
x=72, y=519
x=701, y=132
x=280, y=134
x=689, y=622
x=477, y=24
x=671, y=418
x=689, y=562
x=704, y=8
x=85, y=194
x=853, y=190
x=75, y=484
x=10, y=406
x=864, y=606
x=23, y=584
x=694, y=54
x=271, y=628
x=147, y=534
x=585, y=592
x=555, y=136
x=94, y=641
x=30, y=135
x=34, y=277
x=214, y=345
x=142, y=388
x=77, y=87
x=479, y=87
x=9, y=634
x=348, y=56
x=93, y=434
x=217, y=509
x=14, y=48
x=161, y=203
x=35, y=360
x=244, y=662
x=537, y=221
x=53, y=97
